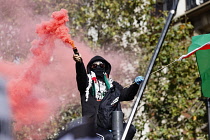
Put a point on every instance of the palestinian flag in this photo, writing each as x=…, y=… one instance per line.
x=201, y=47
x=200, y=42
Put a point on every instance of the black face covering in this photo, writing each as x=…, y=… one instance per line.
x=98, y=68
x=99, y=72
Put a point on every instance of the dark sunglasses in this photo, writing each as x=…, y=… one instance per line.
x=94, y=66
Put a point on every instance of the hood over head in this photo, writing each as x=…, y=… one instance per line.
x=99, y=58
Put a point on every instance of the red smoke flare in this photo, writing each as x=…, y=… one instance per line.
x=27, y=107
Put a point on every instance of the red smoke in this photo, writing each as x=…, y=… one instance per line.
x=56, y=27
x=41, y=84
x=28, y=102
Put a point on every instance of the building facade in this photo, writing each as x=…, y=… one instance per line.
x=195, y=11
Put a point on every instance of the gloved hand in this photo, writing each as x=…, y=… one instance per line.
x=139, y=79
x=77, y=58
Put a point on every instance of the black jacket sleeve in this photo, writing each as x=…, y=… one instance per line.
x=127, y=94
x=81, y=77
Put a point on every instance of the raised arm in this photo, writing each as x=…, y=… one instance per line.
x=81, y=75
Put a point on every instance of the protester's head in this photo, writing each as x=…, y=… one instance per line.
x=99, y=66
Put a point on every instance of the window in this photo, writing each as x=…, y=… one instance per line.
x=193, y=3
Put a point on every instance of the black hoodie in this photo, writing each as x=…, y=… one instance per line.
x=99, y=58
x=90, y=107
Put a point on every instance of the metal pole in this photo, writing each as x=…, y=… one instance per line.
x=208, y=112
x=152, y=61
x=117, y=124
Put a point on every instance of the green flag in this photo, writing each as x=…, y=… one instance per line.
x=203, y=60
x=200, y=42
x=201, y=47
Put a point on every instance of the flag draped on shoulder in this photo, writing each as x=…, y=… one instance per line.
x=201, y=47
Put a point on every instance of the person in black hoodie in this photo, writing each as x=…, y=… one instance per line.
x=100, y=95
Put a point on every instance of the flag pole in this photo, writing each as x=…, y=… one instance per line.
x=152, y=61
